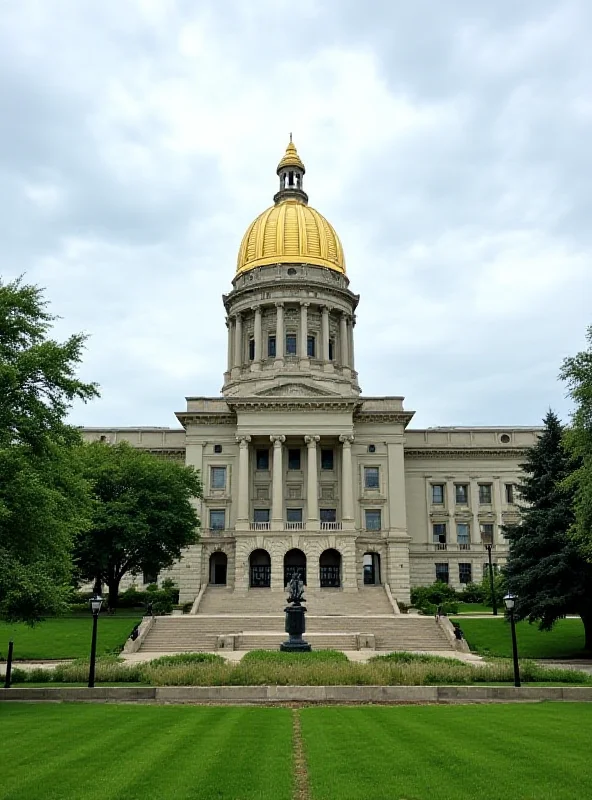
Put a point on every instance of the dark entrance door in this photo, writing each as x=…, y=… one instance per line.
x=330, y=569
x=218, y=568
x=260, y=569
x=371, y=569
x=294, y=561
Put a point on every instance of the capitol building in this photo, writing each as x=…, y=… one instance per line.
x=301, y=471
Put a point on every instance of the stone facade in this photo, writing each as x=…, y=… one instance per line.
x=300, y=471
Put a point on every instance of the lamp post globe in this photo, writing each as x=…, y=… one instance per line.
x=95, y=606
x=510, y=602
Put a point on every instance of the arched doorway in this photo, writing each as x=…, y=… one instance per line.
x=294, y=561
x=218, y=568
x=371, y=569
x=260, y=569
x=330, y=569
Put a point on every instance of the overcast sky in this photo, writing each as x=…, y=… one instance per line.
x=448, y=142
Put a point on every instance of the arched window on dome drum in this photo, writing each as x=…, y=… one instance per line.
x=251, y=349
x=331, y=349
x=271, y=351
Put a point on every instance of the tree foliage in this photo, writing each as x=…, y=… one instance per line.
x=43, y=500
x=577, y=373
x=545, y=569
x=142, y=517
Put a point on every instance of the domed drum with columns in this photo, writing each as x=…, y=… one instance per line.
x=300, y=472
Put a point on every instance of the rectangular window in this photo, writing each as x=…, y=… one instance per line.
x=294, y=514
x=371, y=478
x=462, y=533
x=438, y=494
x=439, y=532
x=442, y=573
x=328, y=515
x=510, y=493
x=294, y=458
x=271, y=351
x=218, y=478
x=486, y=529
x=290, y=344
x=251, y=349
x=465, y=573
x=311, y=347
x=260, y=515
x=331, y=349
x=485, y=494
x=326, y=459
x=373, y=521
x=217, y=519
x=461, y=492
x=149, y=577
x=263, y=459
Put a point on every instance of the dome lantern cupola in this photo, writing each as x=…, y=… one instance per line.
x=291, y=174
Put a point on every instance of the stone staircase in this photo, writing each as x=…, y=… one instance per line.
x=347, y=621
x=370, y=600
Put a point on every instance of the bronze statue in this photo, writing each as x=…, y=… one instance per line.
x=296, y=589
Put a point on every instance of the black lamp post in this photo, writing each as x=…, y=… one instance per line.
x=95, y=606
x=491, y=583
x=510, y=601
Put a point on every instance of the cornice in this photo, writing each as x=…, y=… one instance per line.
x=293, y=403
x=204, y=418
x=466, y=452
x=384, y=417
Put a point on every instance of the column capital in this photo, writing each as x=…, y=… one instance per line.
x=312, y=441
x=238, y=315
x=277, y=440
x=258, y=308
x=325, y=308
x=279, y=304
x=346, y=439
x=243, y=440
x=228, y=321
x=304, y=304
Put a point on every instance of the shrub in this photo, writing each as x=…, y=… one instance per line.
x=17, y=675
x=108, y=669
x=437, y=594
x=278, y=657
x=499, y=588
x=414, y=658
x=187, y=658
x=473, y=593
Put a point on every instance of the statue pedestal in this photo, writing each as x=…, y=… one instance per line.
x=295, y=627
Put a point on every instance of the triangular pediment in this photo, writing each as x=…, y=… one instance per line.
x=294, y=390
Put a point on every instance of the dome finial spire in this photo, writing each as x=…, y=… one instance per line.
x=291, y=173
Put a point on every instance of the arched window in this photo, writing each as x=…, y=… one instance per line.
x=294, y=561
x=260, y=569
x=330, y=569
x=218, y=568
x=371, y=569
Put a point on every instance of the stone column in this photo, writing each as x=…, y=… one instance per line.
x=450, y=506
x=258, y=343
x=242, y=516
x=277, y=489
x=352, y=322
x=474, y=500
x=347, y=491
x=230, y=335
x=312, y=491
x=280, y=335
x=325, y=332
x=497, y=508
x=343, y=336
x=238, y=340
x=304, y=334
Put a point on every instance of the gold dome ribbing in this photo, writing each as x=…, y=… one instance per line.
x=290, y=232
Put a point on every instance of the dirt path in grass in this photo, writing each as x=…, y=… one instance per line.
x=301, y=786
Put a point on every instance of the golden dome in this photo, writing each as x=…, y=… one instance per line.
x=290, y=232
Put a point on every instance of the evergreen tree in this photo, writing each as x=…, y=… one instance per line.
x=545, y=568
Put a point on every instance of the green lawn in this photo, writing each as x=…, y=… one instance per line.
x=493, y=637
x=493, y=752
x=474, y=608
x=107, y=752
x=65, y=637
x=98, y=752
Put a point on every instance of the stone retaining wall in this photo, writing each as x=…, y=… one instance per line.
x=239, y=695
